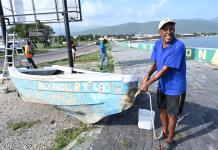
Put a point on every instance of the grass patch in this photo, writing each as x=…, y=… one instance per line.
x=22, y=124
x=80, y=140
x=63, y=62
x=125, y=144
x=93, y=57
x=38, y=51
x=53, y=45
x=2, y=54
x=66, y=136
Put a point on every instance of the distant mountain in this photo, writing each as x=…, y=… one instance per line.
x=182, y=26
x=214, y=20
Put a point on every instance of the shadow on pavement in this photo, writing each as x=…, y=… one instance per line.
x=200, y=121
x=130, y=116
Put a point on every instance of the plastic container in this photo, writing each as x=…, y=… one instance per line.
x=145, y=119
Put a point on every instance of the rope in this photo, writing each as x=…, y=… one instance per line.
x=154, y=133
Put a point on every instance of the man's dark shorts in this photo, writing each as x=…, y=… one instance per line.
x=173, y=104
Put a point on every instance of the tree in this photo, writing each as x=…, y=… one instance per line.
x=61, y=39
x=85, y=38
x=23, y=29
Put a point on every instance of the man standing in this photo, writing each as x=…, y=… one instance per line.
x=28, y=52
x=103, y=53
x=169, y=56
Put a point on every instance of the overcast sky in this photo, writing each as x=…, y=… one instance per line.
x=113, y=12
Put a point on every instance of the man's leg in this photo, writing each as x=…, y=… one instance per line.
x=29, y=63
x=107, y=59
x=162, y=105
x=171, y=128
x=74, y=56
x=32, y=62
x=102, y=61
x=164, y=120
x=172, y=111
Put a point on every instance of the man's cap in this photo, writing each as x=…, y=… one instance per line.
x=165, y=21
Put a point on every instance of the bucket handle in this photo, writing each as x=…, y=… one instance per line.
x=149, y=95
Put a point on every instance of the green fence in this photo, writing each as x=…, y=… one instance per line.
x=209, y=55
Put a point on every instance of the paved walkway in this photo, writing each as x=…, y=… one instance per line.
x=198, y=131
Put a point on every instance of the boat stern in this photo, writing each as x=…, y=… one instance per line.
x=128, y=99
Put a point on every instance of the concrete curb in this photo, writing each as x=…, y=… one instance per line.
x=209, y=55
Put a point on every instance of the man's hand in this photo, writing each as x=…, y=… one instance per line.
x=144, y=86
x=146, y=78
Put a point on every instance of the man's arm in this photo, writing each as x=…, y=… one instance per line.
x=145, y=85
x=150, y=72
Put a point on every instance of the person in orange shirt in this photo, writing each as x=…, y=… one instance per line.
x=28, y=54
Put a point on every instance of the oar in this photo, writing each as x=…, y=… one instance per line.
x=137, y=93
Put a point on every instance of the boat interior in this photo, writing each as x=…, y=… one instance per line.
x=42, y=72
x=46, y=72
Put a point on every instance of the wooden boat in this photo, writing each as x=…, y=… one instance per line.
x=89, y=96
x=86, y=95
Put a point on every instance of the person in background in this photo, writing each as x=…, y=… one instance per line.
x=169, y=57
x=103, y=53
x=49, y=42
x=28, y=53
x=74, y=50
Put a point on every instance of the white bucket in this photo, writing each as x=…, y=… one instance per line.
x=145, y=119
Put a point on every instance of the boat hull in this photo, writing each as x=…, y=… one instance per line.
x=88, y=100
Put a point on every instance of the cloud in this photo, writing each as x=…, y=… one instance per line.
x=97, y=8
x=111, y=12
x=156, y=7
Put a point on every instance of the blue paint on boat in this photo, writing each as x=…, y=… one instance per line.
x=89, y=96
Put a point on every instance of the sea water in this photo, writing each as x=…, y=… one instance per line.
x=207, y=42
x=203, y=41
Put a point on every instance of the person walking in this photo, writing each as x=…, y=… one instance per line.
x=103, y=53
x=28, y=53
x=169, y=60
x=74, y=50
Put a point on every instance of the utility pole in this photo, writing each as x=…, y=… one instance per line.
x=2, y=21
x=67, y=30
